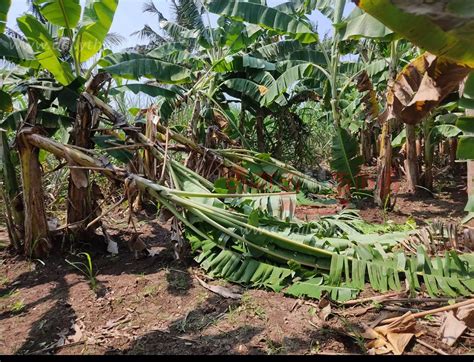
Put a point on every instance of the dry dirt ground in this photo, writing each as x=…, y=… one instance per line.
x=155, y=305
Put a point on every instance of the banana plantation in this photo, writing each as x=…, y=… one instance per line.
x=236, y=177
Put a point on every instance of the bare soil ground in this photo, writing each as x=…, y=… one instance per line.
x=155, y=305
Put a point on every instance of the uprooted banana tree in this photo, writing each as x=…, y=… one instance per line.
x=235, y=207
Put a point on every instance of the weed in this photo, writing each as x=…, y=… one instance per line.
x=247, y=306
x=150, y=291
x=4, y=281
x=202, y=297
x=178, y=281
x=430, y=318
x=86, y=269
x=377, y=305
x=355, y=334
x=273, y=348
x=17, y=307
x=314, y=347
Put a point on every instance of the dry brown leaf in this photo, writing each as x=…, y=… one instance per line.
x=393, y=337
x=222, y=291
x=466, y=314
x=451, y=329
x=325, y=312
x=77, y=334
x=79, y=176
x=422, y=85
x=399, y=341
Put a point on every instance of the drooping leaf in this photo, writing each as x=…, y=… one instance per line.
x=309, y=55
x=107, y=142
x=315, y=288
x=246, y=87
x=265, y=17
x=422, y=85
x=467, y=99
x=446, y=130
x=279, y=50
x=50, y=121
x=239, y=63
x=148, y=89
x=346, y=161
x=362, y=25
x=232, y=266
x=142, y=66
x=45, y=51
x=285, y=80
x=15, y=50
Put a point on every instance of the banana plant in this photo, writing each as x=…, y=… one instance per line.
x=67, y=35
x=224, y=60
x=251, y=245
x=451, y=30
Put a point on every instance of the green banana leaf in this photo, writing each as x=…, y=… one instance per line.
x=17, y=51
x=362, y=25
x=95, y=24
x=143, y=66
x=279, y=50
x=466, y=141
x=45, y=52
x=346, y=161
x=148, y=89
x=4, y=7
x=266, y=17
x=64, y=13
x=287, y=79
x=442, y=28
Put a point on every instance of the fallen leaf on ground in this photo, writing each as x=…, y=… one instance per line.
x=393, y=337
x=466, y=314
x=222, y=291
x=77, y=336
x=112, y=247
x=451, y=329
x=325, y=312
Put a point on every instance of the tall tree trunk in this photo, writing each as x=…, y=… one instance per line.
x=79, y=203
x=411, y=162
x=428, y=153
x=149, y=162
x=366, y=144
x=12, y=197
x=384, y=167
x=37, y=242
x=453, y=148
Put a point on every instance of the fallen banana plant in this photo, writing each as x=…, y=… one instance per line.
x=254, y=239
x=259, y=250
x=251, y=245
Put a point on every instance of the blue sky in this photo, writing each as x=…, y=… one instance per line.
x=129, y=17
